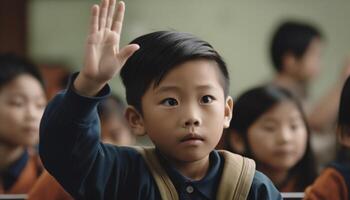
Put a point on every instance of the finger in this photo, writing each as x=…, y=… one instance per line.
x=127, y=51
x=94, y=19
x=110, y=14
x=103, y=13
x=118, y=22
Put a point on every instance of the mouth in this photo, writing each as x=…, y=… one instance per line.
x=192, y=137
x=284, y=152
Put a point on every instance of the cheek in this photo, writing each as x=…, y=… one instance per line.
x=259, y=143
x=11, y=116
x=214, y=116
x=301, y=140
x=312, y=66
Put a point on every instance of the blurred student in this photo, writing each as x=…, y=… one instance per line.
x=334, y=181
x=268, y=125
x=114, y=127
x=296, y=51
x=22, y=102
x=114, y=130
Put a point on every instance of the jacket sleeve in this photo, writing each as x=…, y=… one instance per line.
x=263, y=189
x=71, y=150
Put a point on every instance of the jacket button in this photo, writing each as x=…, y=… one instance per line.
x=189, y=189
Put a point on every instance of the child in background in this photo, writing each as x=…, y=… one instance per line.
x=334, y=181
x=296, y=51
x=22, y=102
x=268, y=125
x=176, y=87
x=114, y=130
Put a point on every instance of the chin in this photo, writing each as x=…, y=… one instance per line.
x=191, y=157
x=29, y=143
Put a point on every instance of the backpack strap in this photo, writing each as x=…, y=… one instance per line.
x=166, y=188
x=236, y=178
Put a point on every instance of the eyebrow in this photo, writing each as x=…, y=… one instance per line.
x=167, y=89
x=270, y=119
x=177, y=89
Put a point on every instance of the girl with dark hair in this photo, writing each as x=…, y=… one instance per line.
x=269, y=126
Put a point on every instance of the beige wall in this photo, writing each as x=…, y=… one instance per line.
x=238, y=29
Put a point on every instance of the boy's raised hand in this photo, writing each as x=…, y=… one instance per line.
x=103, y=59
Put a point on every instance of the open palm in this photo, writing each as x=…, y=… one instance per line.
x=103, y=58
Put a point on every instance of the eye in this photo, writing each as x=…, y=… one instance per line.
x=16, y=103
x=169, y=102
x=207, y=99
x=40, y=105
x=294, y=127
x=269, y=128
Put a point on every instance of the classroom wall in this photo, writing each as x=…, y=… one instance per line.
x=239, y=29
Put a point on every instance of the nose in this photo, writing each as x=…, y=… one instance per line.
x=191, y=117
x=191, y=122
x=285, y=135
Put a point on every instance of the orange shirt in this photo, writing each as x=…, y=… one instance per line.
x=27, y=177
x=329, y=185
x=48, y=188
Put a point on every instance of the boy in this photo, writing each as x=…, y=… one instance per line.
x=176, y=86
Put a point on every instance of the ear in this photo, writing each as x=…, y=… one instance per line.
x=228, y=111
x=289, y=62
x=236, y=142
x=135, y=121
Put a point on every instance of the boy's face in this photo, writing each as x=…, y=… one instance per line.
x=22, y=103
x=185, y=114
x=308, y=66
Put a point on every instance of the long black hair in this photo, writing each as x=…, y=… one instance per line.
x=343, y=126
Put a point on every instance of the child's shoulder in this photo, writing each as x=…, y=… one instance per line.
x=263, y=188
x=342, y=168
x=330, y=184
x=237, y=166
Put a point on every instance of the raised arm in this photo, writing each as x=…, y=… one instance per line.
x=103, y=59
x=325, y=111
x=69, y=130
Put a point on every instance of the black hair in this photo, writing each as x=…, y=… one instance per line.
x=12, y=66
x=343, y=125
x=291, y=37
x=344, y=110
x=159, y=53
x=250, y=106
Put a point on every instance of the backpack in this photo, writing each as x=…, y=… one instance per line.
x=235, y=183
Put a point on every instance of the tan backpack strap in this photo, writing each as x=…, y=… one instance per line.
x=236, y=178
x=166, y=188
